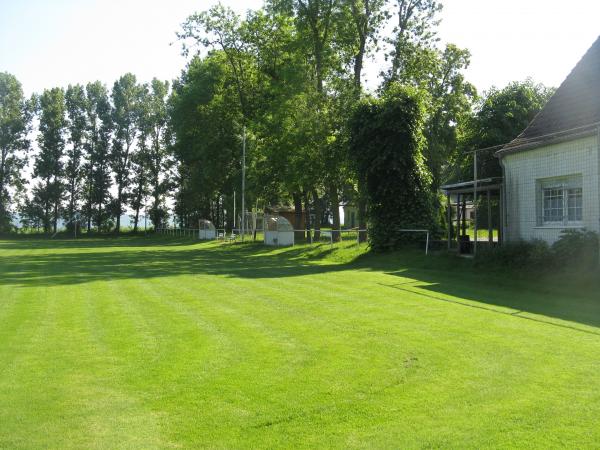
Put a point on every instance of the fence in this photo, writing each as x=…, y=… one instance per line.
x=310, y=236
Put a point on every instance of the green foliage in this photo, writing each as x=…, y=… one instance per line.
x=517, y=256
x=15, y=119
x=207, y=138
x=575, y=250
x=414, y=34
x=500, y=117
x=49, y=164
x=126, y=97
x=387, y=142
x=76, y=105
x=152, y=163
x=97, y=148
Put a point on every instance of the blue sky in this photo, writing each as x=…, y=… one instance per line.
x=54, y=43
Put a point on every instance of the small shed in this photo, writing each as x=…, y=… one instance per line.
x=206, y=230
x=297, y=218
x=278, y=231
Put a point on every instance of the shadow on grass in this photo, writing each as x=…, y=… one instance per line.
x=135, y=258
x=45, y=242
x=437, y=278
x=504, y=294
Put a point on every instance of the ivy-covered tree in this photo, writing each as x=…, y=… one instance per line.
x=386, y=142
x=15, y=119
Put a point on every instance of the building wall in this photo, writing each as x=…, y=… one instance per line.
x=523, y=172
x=350, y=214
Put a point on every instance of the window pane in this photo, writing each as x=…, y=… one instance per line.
x=553, y=205
x=575, y=205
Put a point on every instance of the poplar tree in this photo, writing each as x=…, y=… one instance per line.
x=160, y=161
x=77, y=126
x=48, y=163
x=97, y=170
x=15, y=119
x=126, y=104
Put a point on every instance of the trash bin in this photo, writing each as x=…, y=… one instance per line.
x=465, y=245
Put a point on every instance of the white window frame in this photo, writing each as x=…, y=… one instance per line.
x=564, y=186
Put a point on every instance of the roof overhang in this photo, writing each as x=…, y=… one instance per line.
x=468, y=187
x=517, y=145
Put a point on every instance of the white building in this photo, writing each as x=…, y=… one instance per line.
x=552, y=169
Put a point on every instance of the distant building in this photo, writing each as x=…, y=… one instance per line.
x=289, y=213
x=350, y=214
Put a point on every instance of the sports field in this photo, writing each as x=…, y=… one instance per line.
x=158, y=343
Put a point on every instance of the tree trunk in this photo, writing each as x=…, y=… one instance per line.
x=307, y=223
x=362, y=213
x=298, y=234
x=55, y=218
x=136, y=219
x=335, y=212
x=318, y=214
x=2, y=205
x=119, y=204
x=47, y=209
x=71, y=204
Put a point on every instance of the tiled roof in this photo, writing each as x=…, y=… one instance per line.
x=573, y=110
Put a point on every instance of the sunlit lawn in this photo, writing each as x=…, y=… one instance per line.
x=165, y=343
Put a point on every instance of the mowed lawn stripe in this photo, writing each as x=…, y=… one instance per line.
x=155, y=343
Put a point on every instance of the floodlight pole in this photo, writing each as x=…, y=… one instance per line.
x=234, y=212
x=243, y=183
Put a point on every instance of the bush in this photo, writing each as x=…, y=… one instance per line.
x=574, y=250
x=535, y=255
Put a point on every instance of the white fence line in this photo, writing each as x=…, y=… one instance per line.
x=221, y=234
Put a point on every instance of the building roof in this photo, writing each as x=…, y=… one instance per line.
x=573, y=111
x=468, y=187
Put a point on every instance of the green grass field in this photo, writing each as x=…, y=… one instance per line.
x=164, y=343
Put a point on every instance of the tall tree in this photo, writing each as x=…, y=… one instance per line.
x=499, y=118
x=316, y=23
x=126, y=104
x=220, y=28
x=97, y=170
x=48, y=163
x=450, y=103
x=204, y=114
x=160, y=161
x=140, y=162
x=360, y=26
x=15, y=119
x=415, y=30
x=76, y=104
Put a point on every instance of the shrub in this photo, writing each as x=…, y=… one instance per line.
x=535, y=255
x=574, y=250
x=579, y=249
